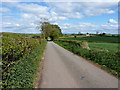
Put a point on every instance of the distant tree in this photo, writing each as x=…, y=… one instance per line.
x=79, y=33
x=45, y=29
x=87, y=33
x=97, y=32
x=75, y=36
x=55, y=32
x=50, y=30
x=58, y=29
x=102, y=34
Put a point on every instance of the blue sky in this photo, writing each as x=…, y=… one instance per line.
x=72, y=17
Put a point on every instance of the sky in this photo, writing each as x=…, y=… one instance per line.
x=71, y=16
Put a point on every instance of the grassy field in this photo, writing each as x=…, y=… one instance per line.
x=104, y=46
x=96, y=39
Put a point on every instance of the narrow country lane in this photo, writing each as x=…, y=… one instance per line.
x=62, y=69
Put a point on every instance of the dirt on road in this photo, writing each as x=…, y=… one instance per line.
x=62, y=69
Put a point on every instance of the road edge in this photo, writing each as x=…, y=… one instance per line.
x=39, y=71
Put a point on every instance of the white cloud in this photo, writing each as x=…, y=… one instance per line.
x=30, y=14
x=55, y=23
x=80, y=9
x=20, y=27
x=26, y=15
x=112, y=21
x=60, y=1
x=111, y=12
x=97, y=11
x=29, y=26
x=66, y=9
x=62, y=18
x=17, y=25
x=81, y=0
x=88, y=27
x=30, y=7
x=95, y=8
x=22, y=0
x=76, y=15
x=5, y=11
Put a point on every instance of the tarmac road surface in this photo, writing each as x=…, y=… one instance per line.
x=63, y=69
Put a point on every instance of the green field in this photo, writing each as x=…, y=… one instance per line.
x=96, y=39
x=100, y=42
x=104, y=46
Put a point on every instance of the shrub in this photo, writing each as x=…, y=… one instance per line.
x=82, y=44
x=23, y=74
x=17, y=53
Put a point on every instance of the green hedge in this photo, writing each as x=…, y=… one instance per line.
x=108, y=60
x=15, y=48
x=20, y=58
x=82, y=44
x=24, y=73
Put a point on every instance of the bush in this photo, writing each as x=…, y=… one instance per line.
x=18, y=57
x=82, y=44
x=24, y=73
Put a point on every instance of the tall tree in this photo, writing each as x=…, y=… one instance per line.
x=45, y=29
x=50, y=30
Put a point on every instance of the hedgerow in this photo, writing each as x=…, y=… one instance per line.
x=108, y=60
x=114, y=39
x=20, y=58
x=82, y=44
x=24, y=73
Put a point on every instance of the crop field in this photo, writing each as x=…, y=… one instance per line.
x=20, y=58
x=104, y=46
x=109, y=39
